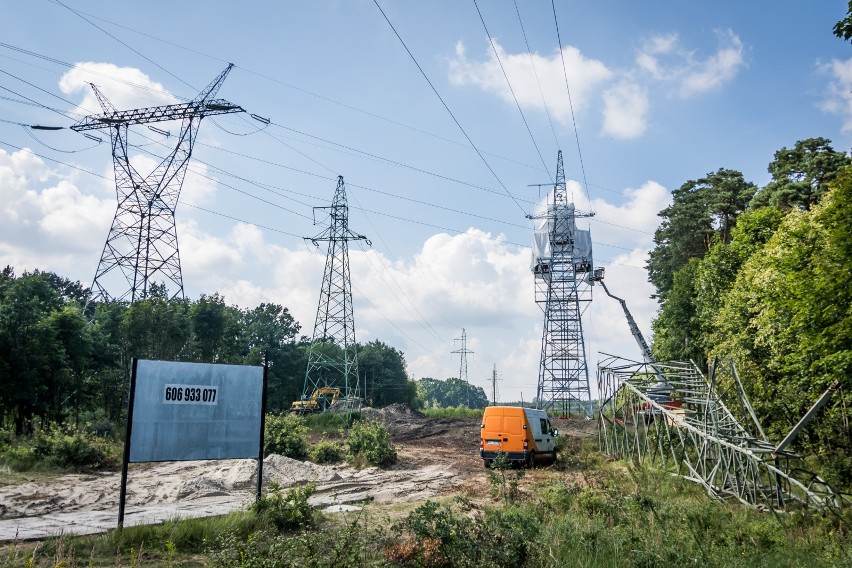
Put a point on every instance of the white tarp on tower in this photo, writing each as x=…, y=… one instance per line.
x=566, y=231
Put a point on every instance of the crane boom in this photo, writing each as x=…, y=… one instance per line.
x=634, y=328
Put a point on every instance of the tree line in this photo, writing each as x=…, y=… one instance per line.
x=763, y=275
x=64, y=358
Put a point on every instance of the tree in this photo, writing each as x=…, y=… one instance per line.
x=703, y=211
x=269, y=330
x=801, y=175
x=382, y=370
x=787, y=321
x=451, y=392
x=843, y=28
x=216, y=330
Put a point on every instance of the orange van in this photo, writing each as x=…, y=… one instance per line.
x=523, y=434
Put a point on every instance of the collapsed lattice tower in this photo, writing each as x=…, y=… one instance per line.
x=142, y=245
x=332, y=356
x=562, y=265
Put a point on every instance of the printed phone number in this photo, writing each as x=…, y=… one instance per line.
x=190, y=394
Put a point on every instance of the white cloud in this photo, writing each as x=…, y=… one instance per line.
x=46, y=221
x=585, y=76
x=664, y=59
x=125, y=87
x=625, y=111
x=839, y=91
x=662, y=64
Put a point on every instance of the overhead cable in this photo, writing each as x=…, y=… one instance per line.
x=535, y=72
x=570, y=102
x=453, y=116
x=511, y=90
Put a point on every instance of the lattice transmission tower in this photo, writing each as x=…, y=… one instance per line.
x=142, y=244
x=332, y=356
x=562, y=265
x=463, y=352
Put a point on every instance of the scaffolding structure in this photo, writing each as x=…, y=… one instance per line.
x=142, y=244
x=562, y=266
x=670, y=417
x=333, y=356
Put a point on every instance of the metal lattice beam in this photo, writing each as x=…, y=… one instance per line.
x=142, y=245
x=703, y=430
x=332, y=356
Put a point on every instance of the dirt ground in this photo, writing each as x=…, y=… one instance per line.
x=437, y=457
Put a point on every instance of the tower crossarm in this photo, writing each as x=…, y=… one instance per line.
x=156, y=114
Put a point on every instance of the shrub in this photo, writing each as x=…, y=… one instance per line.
x=285, y=435
x=371, y=442
x=438, y=535
x=287, y=511
x=62, y=447
x=326, y=451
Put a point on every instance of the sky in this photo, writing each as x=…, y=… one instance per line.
x=441, y=132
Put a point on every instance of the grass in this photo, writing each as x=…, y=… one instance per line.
x=453, y=412
x=586, y=511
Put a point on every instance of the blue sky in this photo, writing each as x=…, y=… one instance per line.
x=662, y=92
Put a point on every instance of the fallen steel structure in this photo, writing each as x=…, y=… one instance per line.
x=670, y=417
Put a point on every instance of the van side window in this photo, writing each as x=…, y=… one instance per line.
x=545, y=426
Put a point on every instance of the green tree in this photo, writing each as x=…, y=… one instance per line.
x=216, y=330
x=787, y=321
x=382, y=369
x=843, y=28
x=270, y=330
x=801, y=175
x=703, y=211
x=451, y=392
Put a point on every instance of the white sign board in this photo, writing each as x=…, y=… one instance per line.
x=195, y=411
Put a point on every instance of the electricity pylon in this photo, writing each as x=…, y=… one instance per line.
x=562, y=264
x=332, y=356
x=142, y=244
x=463, y=352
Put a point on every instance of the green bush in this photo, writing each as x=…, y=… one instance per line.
x=441, y=535
x=61, y=447
x=288, y=511
x=371, y=442
x=285, y=435
x=326, y=451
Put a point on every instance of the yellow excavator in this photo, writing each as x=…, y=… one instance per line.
x=321, y=400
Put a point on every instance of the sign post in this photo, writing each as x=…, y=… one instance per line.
x=193, y=411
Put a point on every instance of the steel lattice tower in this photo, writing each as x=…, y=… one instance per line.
x=332, y=356
x=562, y=262
x=142, y=244
x=463, y=351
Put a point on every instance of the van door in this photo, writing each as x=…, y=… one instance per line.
x=547, y=441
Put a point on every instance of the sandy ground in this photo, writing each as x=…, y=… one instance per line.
x=437, y=457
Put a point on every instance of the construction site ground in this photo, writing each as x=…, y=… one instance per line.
x=438, y=458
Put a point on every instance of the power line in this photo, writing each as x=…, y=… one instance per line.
x=137, y=52
x=285, y=84
x=535, y=72
x=511, y=90
x=434, y=90
x=570, y=102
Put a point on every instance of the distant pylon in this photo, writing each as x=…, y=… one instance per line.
x=494, y=386
x=142, y=244
x=562, y=264
x=463, y=352
x=332, y=356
